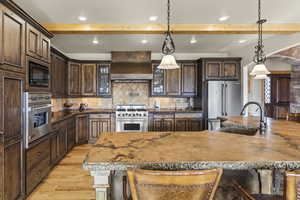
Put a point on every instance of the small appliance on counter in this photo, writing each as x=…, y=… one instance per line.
x=157, y=105
x=83, y=107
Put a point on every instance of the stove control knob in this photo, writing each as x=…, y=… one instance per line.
x=145, y=115
x=133, y=115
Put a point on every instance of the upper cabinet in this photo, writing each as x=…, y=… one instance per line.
x=158, y=82
x=88, y=79
x=59, y=68
x=103, y=80
x=37, y=44
x=74, y=79
x=175, y=82
x=189, y=79
x=222, y=68
x=12, y=41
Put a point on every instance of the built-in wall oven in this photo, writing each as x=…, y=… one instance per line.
x=37, y=116
x=38, y=76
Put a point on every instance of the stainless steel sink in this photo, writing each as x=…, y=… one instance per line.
x=239, y=130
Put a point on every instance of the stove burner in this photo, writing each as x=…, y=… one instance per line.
x=121, y=110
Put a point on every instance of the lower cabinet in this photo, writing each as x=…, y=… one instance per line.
x=98, y=123
x=11, y=170
x=71, y=134
x=82, y=129
x=176, y=122
x=37, y=163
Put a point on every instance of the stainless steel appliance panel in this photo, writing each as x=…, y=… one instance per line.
x=215, y=99
x=233, y=104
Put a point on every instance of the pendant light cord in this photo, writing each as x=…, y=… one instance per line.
x=169, y=10
x=168, y=45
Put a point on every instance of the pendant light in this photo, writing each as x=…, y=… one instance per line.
x=168, y=49
x=260, y=70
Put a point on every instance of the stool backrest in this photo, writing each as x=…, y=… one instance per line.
x=173, y=185
x=292, y=185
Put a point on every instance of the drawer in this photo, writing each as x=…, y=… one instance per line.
x=34, y=177
x=37, y=153
x=188, y=115
x=105, y=116
x=162, y=116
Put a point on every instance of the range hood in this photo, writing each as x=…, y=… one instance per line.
x=131, y=65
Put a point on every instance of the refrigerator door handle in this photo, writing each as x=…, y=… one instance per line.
x=222, y=97
x=226, y=88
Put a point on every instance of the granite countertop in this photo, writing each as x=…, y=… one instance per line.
x=65, y=114
x=278, y=149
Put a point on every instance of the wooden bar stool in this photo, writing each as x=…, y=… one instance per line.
x=292, y=189
x=173, y=185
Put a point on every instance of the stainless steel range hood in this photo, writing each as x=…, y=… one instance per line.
x=133, y=65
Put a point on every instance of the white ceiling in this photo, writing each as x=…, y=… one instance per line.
x=139, y=11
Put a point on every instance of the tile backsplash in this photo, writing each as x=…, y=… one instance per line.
x=124, y=93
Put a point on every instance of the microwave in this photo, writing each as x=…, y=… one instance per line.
x=38, y=75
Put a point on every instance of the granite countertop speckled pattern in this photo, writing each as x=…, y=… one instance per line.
x=278, y=149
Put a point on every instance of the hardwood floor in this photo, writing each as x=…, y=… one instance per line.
x=67, y=181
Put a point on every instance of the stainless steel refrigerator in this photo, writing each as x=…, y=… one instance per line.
x=224, y=100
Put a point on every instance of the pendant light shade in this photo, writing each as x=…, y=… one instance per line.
x=260, y=77
x=168, y=49
x=168, y=62
x=260, y=69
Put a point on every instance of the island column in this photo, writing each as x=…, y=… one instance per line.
x=102, y=184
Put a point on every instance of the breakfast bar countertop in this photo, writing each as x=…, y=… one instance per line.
x=278, y=149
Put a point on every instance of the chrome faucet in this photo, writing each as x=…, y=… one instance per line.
x=262, y=123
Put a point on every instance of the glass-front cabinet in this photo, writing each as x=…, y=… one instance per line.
x=158, y=82
x=103, y=80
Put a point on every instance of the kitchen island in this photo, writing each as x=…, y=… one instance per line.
x=278, y=148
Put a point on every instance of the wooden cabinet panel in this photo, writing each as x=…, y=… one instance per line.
x=62, y=141
x=189, y=79
x=54, y=156
x=162, y=125
x=281, y=90
x=44, y=48
x=213, y=69
x=11, y=92
x=196, y=125
x=173, y=82
x=12, y=41
x=71, y=137
x=37, y=153
x=58, y=76
x=74, y=79
x=11, y=171
x=81, y=129
x=32, y=41
x=89, y=79
x=98, y=126
x=181, y=125
x=231, y=70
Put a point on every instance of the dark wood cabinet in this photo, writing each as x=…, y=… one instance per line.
x=222, y=68
x=277, y=96
x=11, y=170
x=45, y=48
x=11, y=135
x=62, y=140
x=88, y=79
x=58, y=76
x=173, y=82
x=181, y=125
x=71, y=134
x=189, y=79
x=103, y=80
x=82, y=129
x=12, y=41
x=54, y=151
x=74, y=79
x=98, y=123
x=163, y=122
x=37, y=44
x=37, y=163
x=158, y=82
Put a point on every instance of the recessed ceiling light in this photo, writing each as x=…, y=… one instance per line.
x=82, y=18
x=193, y=41
x=242, y=41
x=144, y=41
x=153, y=18
x=95, y=41
x=223, y=18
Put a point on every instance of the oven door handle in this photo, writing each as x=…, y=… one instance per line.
x=42, y=107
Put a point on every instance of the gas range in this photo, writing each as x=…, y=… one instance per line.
x=131, y=111
x=131, y=118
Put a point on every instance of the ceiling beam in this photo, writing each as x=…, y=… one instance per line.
x=176, y=28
